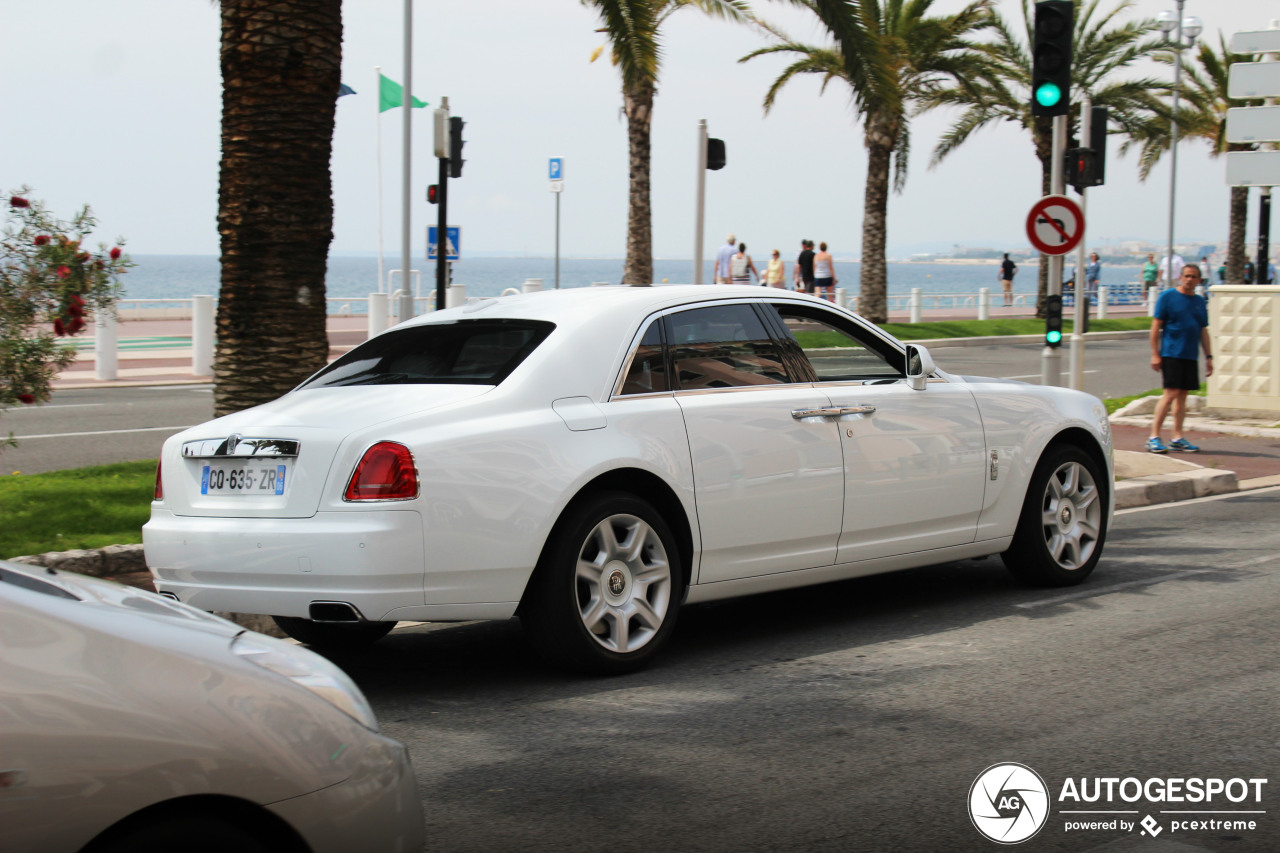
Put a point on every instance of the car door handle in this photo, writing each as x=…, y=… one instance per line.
x=831, y=412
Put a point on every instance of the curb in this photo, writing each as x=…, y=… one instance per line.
x=1170, y=488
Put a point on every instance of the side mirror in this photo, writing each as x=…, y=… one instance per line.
x=919, y=366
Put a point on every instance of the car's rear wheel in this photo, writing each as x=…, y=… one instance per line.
x=334, y=636
x=604, y=598
x=1064, y=521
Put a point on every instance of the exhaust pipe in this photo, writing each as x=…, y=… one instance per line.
x=334, y=611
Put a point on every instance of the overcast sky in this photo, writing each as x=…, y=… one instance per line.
x=117, y=104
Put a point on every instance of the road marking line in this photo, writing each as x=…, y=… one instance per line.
x=1034, y=375
x=57, y=406
x=102, y=432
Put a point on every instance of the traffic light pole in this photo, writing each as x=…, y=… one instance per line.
x=1050, y=361
x=700, y=209
x=1082, y=297
x=442, y=237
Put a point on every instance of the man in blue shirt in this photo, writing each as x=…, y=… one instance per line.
x=1092, y=275
x=1179, y=327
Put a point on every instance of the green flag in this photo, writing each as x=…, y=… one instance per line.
x=391, y=95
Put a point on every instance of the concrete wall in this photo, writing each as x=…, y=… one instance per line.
x=1246, y=341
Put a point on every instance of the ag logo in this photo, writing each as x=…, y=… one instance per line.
x=1008, y=803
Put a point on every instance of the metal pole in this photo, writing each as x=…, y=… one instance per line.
x=701, y=203
x=1264, y=235
x=382, y=283
x=1173, y=139
x=1082, y=297
x=1050, y=361
x=406, y=295
x=442, y=229
x=557, y=195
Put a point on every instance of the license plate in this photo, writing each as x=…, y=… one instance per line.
x=244, y=478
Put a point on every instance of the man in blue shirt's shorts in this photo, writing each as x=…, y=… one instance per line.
x=1179, y=327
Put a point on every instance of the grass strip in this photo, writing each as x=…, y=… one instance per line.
x=76, y=508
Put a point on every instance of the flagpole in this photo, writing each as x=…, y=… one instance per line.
x=406, y=294
x=381, y=274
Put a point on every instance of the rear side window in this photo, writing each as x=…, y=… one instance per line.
x=464, y=352
x=723, y=346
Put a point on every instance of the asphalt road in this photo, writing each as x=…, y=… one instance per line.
x=856, y=716
x=100, y=425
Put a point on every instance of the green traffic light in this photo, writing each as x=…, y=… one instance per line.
x=1054, y=337
x=1048, y=95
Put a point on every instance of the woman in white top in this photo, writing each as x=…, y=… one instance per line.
x=741, y=268
x=824, y=274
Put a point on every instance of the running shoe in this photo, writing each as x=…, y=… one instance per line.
x=1183, y=445
x=1155, y=445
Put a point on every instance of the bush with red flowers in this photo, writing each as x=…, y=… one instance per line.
x=51, y=284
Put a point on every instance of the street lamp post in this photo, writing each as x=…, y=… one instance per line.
x=1186, y=28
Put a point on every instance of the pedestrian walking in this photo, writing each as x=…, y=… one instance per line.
x=1008, y=269
x=1222, y=274
x=1271, y=273
x=1170, y=270
x=723, y=256
x=741, y=267
x=1179, y=328
x=804, y=267
x=1092, y=275
x=824, y=274
x=1149, y=273
x=774, y=272
x=1248, y=272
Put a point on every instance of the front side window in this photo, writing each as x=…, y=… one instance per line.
x=463, y=352
x=723, y=346
x=839, y=350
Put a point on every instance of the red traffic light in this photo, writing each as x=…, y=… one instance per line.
x=433, y=194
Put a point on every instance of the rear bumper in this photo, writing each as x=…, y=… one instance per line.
x=374, y=561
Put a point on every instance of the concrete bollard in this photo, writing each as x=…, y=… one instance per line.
x=455, y=295
x=1103, y=294
x=842, y=297
x=917, y=310
x=532, y=285
x=106, y=355
x=984, y=303
x=377, y=319
x=202, y=335
x=1152, y=294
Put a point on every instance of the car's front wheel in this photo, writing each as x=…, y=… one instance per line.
x=334, y=636
x=1063, y=523
x=605, y=595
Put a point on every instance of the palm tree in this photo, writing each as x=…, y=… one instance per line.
x=280, y=79
x=1203, y=115
x=901, y=56
x=632, y=27
x=1101, y=46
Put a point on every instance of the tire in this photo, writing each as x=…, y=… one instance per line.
x=604, y=598
x=1064, y=521
x=187, y=832
x=334, y=636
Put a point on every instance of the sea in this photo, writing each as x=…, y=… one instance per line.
x=355, y=277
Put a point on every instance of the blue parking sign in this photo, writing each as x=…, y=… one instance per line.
x=556, y=169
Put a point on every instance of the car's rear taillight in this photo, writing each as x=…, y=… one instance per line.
x=386, y=473
x=159, y=495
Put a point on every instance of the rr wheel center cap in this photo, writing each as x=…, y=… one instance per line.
x=1065, y=514
x=616, y=581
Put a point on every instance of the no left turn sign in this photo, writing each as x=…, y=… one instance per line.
x=1055, y=225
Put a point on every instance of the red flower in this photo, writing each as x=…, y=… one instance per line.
x=115, y=253
x=76, y=299
x=18, y=201
x=27, y=398
x=64, y=271
x=42, y=240
x=75, y=310
x=82, y=257
x=58, y=328
x=77, y=324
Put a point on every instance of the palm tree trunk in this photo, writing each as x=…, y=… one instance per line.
x=874, y=285
x=280, y=75
x=638, y=104
x=1235, y=234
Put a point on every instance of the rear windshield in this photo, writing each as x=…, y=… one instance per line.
x=464, y=352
